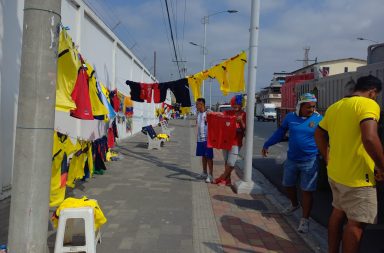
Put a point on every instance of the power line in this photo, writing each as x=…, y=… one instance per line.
x=173, y=40
x=166, y=30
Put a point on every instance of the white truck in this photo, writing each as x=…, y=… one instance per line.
x=265, y=112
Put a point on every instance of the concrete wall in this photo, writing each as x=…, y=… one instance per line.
x=112, y=60
x=11, y=21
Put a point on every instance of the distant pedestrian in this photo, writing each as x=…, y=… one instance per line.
x=302, y=156
x=201, y=146
x=231, y=156
x=347, y=137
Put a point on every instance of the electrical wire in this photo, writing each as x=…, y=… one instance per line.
x=173, y=40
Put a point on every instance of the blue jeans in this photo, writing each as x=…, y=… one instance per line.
x=307, y=171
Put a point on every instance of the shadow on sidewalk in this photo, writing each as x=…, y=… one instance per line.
x=147, y=157
x=225, y=248
x=257, y=236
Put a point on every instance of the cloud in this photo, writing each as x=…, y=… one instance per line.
x=329, y=27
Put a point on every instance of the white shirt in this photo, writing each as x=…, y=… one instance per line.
x=202, y=130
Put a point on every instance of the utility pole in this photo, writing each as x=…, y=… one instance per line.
x=154, y=64
x=28, y=225
x=246, y=185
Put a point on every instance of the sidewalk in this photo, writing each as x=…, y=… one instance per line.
x=154, y=203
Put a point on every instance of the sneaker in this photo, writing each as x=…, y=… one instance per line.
x=290, y=209
x=303, y=226
x=202, y=175
x=218, y=180
x=209, y=179
x=225, y=182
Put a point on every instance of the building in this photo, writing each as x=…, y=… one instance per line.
x=332, y=67
x=272, y=93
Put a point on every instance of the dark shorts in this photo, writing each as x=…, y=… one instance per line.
x=203, y=150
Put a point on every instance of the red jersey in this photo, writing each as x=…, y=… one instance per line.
x=110, y=138
x=146, y=92
x=240, y=131
x=80, y=96
x=221, y=130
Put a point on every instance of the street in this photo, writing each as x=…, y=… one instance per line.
x=272, y=168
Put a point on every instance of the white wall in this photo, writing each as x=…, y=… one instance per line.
x=114, y=64
x=11, y=20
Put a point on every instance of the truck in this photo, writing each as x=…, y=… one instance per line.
x=265, y=112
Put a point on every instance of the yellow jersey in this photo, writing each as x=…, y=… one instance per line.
x=349, y=163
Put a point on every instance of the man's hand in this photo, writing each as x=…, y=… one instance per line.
x=264, y=152
x=379, y=175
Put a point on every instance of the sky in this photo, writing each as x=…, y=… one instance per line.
x=328, y=27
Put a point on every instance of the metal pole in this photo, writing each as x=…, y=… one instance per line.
x=28, y=225
x=252, y=71
x=210, y=94
x=205, y=21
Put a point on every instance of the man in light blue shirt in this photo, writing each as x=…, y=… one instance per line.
x=302, y=155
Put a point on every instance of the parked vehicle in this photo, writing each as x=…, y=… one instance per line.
x=265, y=112
x=224, y=107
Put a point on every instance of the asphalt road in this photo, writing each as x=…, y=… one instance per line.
x=272, y=168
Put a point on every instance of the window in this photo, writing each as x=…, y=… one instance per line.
x=345, y=69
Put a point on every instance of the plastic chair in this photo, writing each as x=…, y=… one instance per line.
x=153, y=141
x=165, y=129
x=64, y=231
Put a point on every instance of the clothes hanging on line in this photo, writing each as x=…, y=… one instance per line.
x=195, y=82
x=104, y=96
x=141, y=92
x=80, y=96
x=77, y=163
x=68, y=64
x=98, y=108
x=114, y=99
x=179, y=88
x=135, y=91
x=235, y=73
x=62, y=148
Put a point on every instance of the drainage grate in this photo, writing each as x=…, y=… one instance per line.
x=251, y=204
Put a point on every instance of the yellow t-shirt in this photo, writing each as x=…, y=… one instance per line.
x=98, y=107
x=195, y=81
x=99, y=217
x=68, y=64
x=349, y=163
x=219, y=73
x=234, y=69
x=62, y=148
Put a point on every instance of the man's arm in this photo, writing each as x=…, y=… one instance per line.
x=372, y=143
x=322, y=142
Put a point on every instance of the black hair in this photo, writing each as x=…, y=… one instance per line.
x=366, y=83
x=202, y=100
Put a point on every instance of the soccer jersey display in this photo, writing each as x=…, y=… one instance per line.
x=221, y=130
x=80, y=95
x=68, y=64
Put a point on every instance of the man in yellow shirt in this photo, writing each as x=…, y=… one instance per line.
x=347, y=137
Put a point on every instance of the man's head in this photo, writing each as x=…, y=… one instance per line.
x=306, y=105
x=200, y=104
x=368, y=86
x=237, y=102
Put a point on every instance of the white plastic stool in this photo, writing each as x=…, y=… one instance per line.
x=85, y=213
